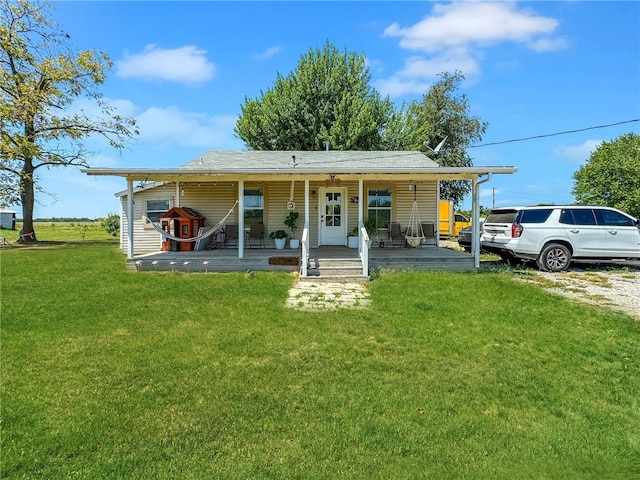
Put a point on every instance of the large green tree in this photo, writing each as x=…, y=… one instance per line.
x=611, y=176
x=40, y=78
x=326, y=99
x=444, y=113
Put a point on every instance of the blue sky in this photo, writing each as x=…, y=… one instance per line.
x=183, y=70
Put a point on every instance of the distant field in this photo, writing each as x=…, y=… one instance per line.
x=62, y=232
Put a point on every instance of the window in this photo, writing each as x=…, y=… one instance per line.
x=253, y=206
x=379, y=206
x=155, y=208
x=534, y=216
x=613, y=219
x=577, y=216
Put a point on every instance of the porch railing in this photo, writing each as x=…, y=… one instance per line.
x=364, y=250
x=305, y=249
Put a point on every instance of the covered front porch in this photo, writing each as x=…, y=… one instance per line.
x=323, y=261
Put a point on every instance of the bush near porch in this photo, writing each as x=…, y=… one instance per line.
x=108, y=373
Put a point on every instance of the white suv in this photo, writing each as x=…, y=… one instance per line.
x=553, y=236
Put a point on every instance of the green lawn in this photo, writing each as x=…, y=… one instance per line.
x=114, y=374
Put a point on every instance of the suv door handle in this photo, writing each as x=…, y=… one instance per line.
x=613, y=232
x=574, y=231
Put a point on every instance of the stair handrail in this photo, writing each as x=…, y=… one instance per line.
x=305, y=249
x=364, y=250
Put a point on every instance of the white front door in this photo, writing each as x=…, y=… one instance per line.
x=333, y=216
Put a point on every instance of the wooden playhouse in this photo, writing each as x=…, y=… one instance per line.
x=181, y=222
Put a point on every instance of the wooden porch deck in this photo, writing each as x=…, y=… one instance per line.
x=226, y=259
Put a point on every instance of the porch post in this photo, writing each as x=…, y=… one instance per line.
x=177, y=195
x=129, y=219
x=306, y=203
x=241, y=219
x=360, y=210
x=436, y=224
x=305, y=233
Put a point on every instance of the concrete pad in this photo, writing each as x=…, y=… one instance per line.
x=322, y=296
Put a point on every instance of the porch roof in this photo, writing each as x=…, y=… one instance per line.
x=304, y=165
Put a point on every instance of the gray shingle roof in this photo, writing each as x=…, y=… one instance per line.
x=332, y=161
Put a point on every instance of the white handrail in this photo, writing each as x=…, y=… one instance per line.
x=305, y=249
x=364, y=250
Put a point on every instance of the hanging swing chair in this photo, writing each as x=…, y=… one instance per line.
x=414, y=234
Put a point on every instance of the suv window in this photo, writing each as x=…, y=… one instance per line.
x=538, y=215
x=504, y=216
x=577, y=216
x=611, y=218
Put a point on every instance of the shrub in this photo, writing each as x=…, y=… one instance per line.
x=111, y=224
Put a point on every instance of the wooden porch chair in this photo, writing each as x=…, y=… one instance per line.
x=395, y=234
x=256, y=234
x=231, y=234
x=429, y=233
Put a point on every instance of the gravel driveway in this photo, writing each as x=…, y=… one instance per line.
x=609, y=286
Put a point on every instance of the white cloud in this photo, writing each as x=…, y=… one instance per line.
x=187, y=65
x=268, y=53
x=466, y=23
x=578, y=153
x=419, y=73
x=172, y=126
x=548, y=44
x=455, y=36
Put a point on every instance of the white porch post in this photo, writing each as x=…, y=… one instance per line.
x=241, y=219
x=305, y=232
x=360, y=209
x=436, y=224
x=177, y=202
x=129, y=219
x=306, y=203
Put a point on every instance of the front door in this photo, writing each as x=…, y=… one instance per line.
x=333, y=217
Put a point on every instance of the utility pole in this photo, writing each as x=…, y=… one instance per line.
x=493, y=199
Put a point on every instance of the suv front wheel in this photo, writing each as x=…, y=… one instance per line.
x=554, y=257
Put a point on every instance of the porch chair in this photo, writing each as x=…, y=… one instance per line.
x=395, y=234
x=231, y=234
x=429, y=233
x=256, y=233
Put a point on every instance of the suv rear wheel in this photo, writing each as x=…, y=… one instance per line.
x=554, y=257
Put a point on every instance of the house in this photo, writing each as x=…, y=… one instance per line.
x=333, y=191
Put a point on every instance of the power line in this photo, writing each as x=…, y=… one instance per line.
x=554, y=134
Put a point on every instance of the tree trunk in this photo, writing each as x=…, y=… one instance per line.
x=27, y=196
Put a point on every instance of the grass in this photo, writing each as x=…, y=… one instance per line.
x=108, y=373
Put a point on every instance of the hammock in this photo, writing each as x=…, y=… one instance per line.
x=414, y=234
x=205, y=234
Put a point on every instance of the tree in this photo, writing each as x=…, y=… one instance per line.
x=326, y=99
x=40, y=78
x=444, y=113
x=611, y=176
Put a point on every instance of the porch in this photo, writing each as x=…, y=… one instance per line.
x=271, y=259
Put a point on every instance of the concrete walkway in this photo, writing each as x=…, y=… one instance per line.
x=322, y=296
